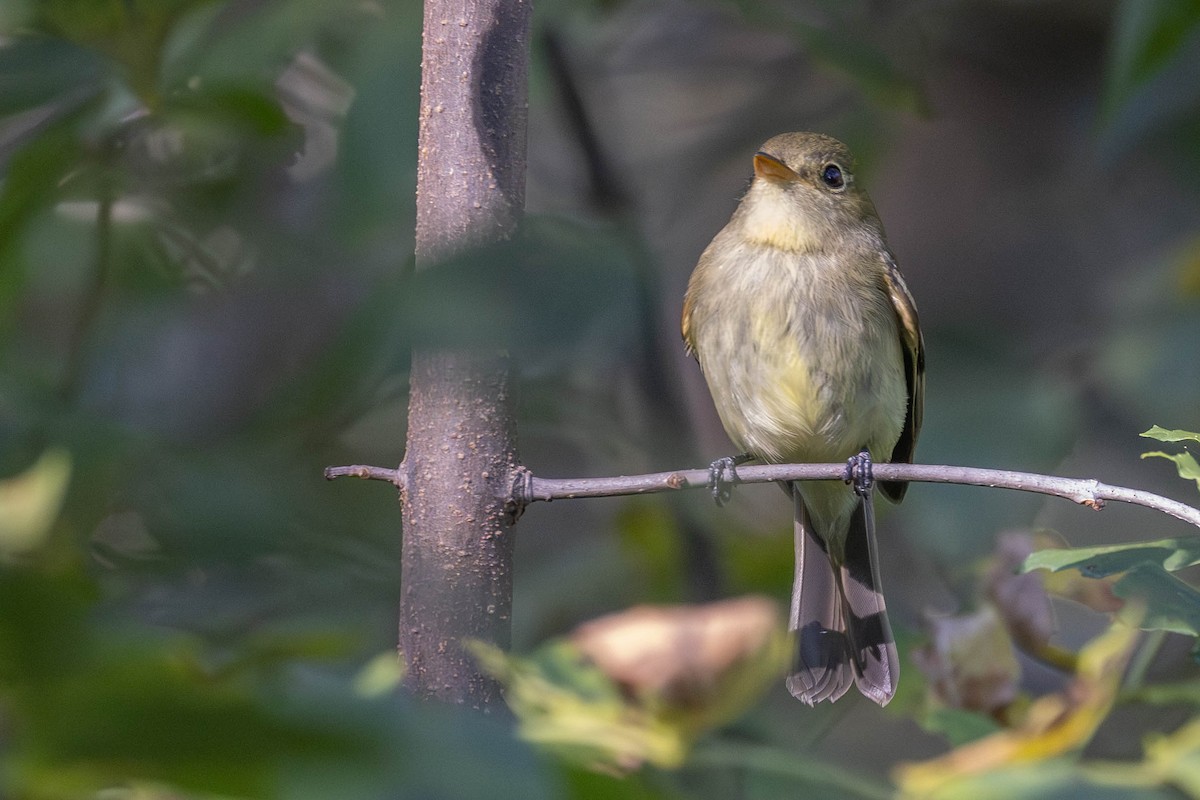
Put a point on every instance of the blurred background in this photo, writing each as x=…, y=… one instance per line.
x=205, y=298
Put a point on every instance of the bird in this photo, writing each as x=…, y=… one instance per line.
x=808, y=339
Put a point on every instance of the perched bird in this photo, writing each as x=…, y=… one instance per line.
x=809, y=341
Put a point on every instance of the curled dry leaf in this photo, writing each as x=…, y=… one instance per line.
x=640, y=686
x=970, y=662
x=1021, y=599
x=679, y=654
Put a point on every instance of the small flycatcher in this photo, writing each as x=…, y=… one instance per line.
x=809, y=341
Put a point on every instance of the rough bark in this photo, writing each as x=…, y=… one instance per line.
x=456, y=574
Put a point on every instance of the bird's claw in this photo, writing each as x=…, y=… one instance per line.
x=859, y=473
x=722, y=475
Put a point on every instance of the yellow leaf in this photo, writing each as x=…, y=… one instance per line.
x=380, y=676
x=30, y=502
x=1055, y=724
x=1176, y=758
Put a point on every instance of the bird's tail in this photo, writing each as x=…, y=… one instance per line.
x=842, y=630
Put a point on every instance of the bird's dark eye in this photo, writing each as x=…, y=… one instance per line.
x=832, y=176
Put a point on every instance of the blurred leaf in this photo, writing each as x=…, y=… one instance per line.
x=572, y=709
x=89, y=705
x=584, y=784
x=1164, y=435
x=211, y=136
x=158, y=710
x=253, y=110
x=376, y=171
x=267, y=649
x=382, y=675
x=1020, y=599
x=1098, y=562
x=1146, y=36
x=31, y=184
x=43, y=624
x=970, y=662
x=154, y=715
x=1169, y=693
x=131, y=32
x=640, y=686
x=30, y=502
x=36, y=70
x=1185, y=464
x=1175, y=758
x=15, y=15
x=1057, y=779
x=1054, y=726
x=958, y=725
x=1170, y=604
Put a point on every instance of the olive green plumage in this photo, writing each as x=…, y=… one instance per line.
x=809, y=341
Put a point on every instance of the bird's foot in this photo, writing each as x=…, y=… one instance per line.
x=859, y=473
x=722, y=475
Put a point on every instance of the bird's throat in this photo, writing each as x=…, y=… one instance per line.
x=774, y=222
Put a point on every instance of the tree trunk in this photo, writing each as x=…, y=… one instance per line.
x=456, y=573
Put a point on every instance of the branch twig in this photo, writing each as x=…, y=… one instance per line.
x=392, y=476
x=1085, y=491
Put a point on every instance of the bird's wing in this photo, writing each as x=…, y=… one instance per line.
x=686, y=324
x=913, y=347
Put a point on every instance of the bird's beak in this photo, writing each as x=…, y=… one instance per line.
x=771, y=168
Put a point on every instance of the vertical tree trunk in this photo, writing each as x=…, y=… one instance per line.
x=456, y=575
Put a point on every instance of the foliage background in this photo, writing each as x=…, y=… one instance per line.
x=205, y=227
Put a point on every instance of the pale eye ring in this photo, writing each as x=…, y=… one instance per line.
x=832, y=177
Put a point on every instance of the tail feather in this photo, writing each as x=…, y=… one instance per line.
x=843, y=636
x=872, y=645
x=821, y=663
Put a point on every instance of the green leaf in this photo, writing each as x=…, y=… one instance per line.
x=130, y=33
x=1099, y=562
x=958, y=725
x=1147, y=35
x=1164, y=435
x=248, y=109
x=1171, y=604
x=31, y=184
x=1174, y=759
x=36, y=70
x=1168, y=694
x=1185, y=464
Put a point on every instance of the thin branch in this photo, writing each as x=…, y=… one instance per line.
x=392, y=476
x=1086, y=491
